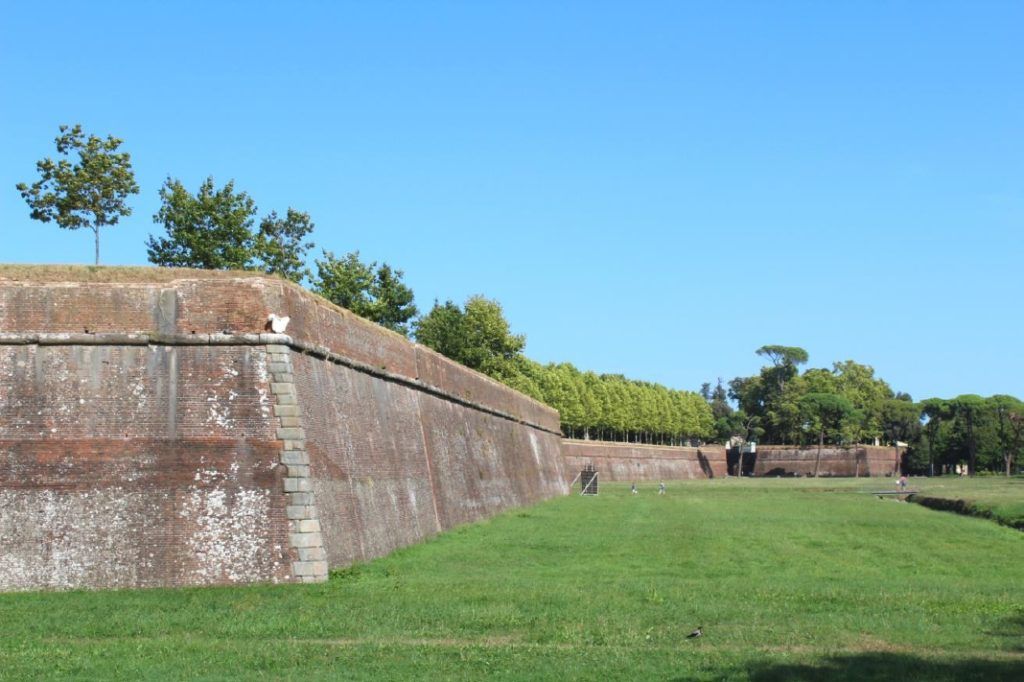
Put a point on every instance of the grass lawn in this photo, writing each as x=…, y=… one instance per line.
x=998, y=496
x=791, y=579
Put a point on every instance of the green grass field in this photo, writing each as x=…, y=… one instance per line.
x=1000, y=497
x=792, y=580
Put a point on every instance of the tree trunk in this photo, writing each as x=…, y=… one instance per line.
x=972, y=446
x=817, y=459
x=931, y=459
x=96, y=231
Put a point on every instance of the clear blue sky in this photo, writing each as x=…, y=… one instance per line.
x=655, y=189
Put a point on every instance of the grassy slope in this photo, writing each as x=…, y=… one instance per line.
x=790, y=581
x=998, y=496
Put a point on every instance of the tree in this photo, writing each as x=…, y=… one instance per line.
x=441, y=330
x=901, y=420
x=368, y=290
x=210, y=230
x=825, y=412
x=91, y=193
x=279, y=245
x=966, y=410
x=857, y=383
x=785, y=359
x=1010, y=414
x=935, y=411
x=393, y=300
x=774, y=395
x=490, y=343
x=476, y=335
x=1016, y=420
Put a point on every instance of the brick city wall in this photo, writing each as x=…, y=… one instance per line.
x=632, y=462
x=855, y=460
x=138, y=466
x=152, y=434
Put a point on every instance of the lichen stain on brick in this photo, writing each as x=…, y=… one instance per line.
x=80, y=547
x=229, y=542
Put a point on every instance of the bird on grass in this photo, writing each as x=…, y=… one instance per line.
x=699, y=632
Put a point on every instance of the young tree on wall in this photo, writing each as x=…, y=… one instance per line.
x=393, y=300
x=490, y=346
x=211, y=229
x=476, y=335
x=441, y=330
x=90, y=192
x=368, y=290
x=280, y=245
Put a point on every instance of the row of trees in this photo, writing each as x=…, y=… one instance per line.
x=848, y=404
x=985, y=433
x=591, y=405
x=217, y=228
x=612, y=407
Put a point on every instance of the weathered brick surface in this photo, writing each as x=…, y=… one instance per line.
x=481, y=464
x=199, y=304
x=369, y=466
x=172, y=464
x=75, y=392
x=392, y=465
x=137, y=467
x=855, y=460
x=632, y=462
x=436, y=370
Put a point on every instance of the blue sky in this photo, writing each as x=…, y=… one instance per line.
x=655, y=189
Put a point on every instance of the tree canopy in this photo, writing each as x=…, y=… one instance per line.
x=373, y=291
x=90, y=191
x=280, y=245
x=213, y=229
x=476, y=334
x=605, y=406
x=848, y=404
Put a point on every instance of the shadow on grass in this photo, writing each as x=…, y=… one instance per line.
x=889, y=666
x=1012, y=629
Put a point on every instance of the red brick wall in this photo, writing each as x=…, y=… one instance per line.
x=856, y=460
x=631, y=462
x=163, y=464
x=137, y=466
x=392, y=464
x=202, y=304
